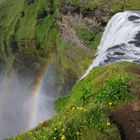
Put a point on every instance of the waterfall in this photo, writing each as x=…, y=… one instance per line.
x=120, y=41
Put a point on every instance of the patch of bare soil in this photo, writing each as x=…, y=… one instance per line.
x=128, y=121
x=68, y=32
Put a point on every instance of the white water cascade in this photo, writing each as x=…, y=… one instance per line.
x=120, y=41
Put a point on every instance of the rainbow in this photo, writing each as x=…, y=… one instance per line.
x=37, y=91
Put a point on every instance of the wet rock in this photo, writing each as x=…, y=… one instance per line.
x=133, y=18
x=119, y=53
x=115, y=47
x=137, y=37
x=136, y=43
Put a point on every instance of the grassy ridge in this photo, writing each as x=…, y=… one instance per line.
x=85, y=113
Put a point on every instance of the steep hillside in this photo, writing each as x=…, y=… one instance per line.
x=37, y=32
x=66, y=34
x=31, y=39
x=25, y=28
x=102, y=106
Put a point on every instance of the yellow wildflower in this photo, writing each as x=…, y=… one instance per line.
x=59, y=122
x=30, y=133
x=73, y=108
x=63, y=130
x=63, y=137
x=55, y=128
x=110, y=103
x=108, y=124
x=54, y=138
x=80, y=108
x=77, y=133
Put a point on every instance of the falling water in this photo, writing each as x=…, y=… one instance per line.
x=120, y=41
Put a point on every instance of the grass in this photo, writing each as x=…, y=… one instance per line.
x=32, y=41
x=113, y=5
x=90, y=38
x=85, y=113
x=33, y=32
x=38, y=37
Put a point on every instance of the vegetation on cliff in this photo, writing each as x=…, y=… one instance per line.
x=29, y=34
x=86, y=113
x=34, y=32
x=31, y=39
x=113, y=5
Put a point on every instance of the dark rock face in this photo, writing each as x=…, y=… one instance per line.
x=21, y=59
x=28, y=2
x=102, y=15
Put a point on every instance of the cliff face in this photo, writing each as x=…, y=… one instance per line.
x=23, y=43
x=35, y=33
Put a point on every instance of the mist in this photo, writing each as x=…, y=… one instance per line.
x=21, y=108
x=24, y=103
x=15, y=105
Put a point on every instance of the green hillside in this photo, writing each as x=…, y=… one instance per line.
x=35, y=33
x=86, y=112
x=21, y=37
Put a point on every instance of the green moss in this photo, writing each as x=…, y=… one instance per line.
x=90, y=38
x=92, y=4
x=85, y=34
x=124, y=5
x=84, y=113
x=29, y=29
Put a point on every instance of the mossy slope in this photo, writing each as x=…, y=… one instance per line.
x=85, y=113
x=114, y=5
x=30, y=36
